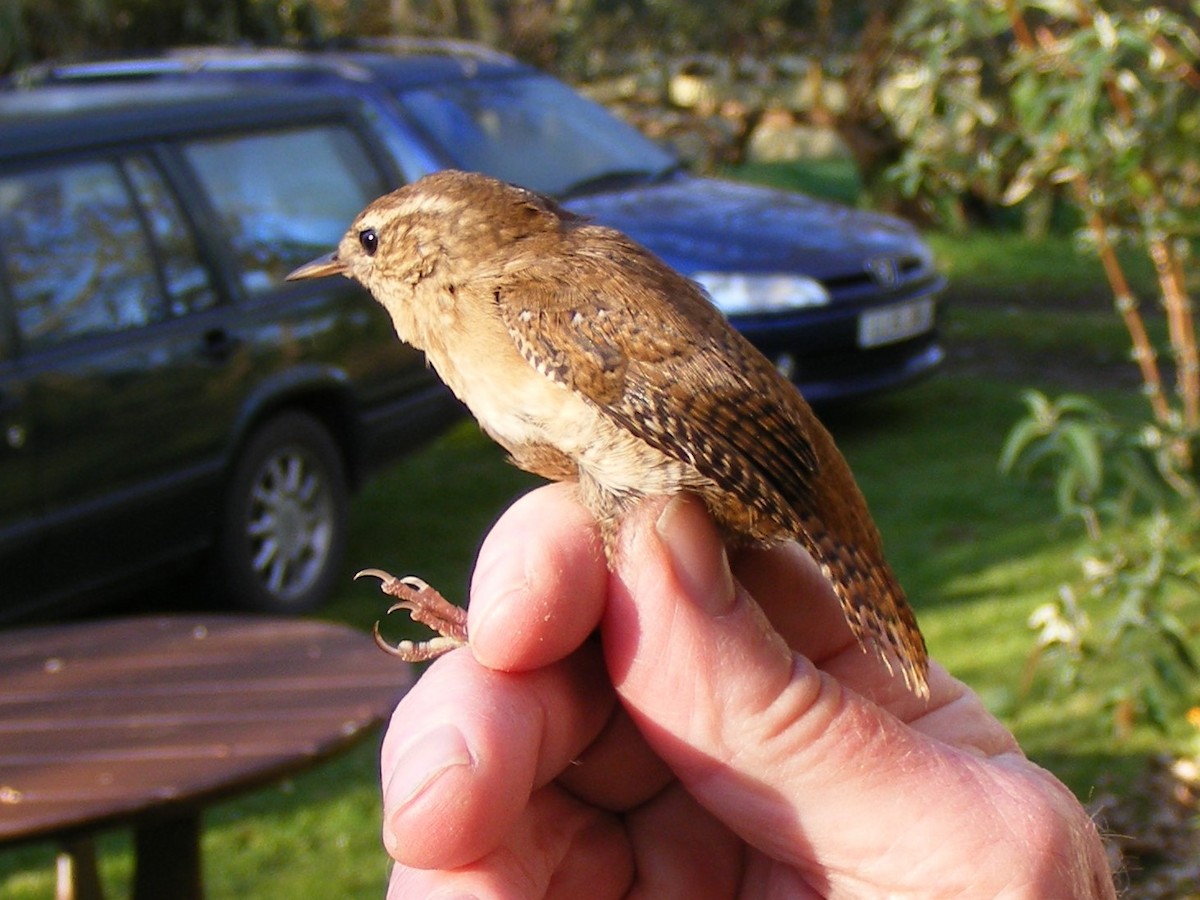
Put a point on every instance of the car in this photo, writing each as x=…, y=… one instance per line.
x=844, y=301
x=166, y=398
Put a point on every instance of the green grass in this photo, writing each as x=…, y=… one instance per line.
x=427, y=516
x=977, y=553
x=835, y=178
x=1048, y=273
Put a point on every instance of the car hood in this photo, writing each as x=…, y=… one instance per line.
x=706, y=224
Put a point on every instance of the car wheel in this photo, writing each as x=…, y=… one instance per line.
x=284, y=531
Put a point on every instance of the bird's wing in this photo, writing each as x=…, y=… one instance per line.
x=649, y=350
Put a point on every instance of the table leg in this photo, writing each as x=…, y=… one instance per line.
x=77, y=876
x=168, y=859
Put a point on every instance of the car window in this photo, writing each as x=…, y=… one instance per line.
x=285, y=196
x=77, y=259
x=188, y=286
x=535, y=132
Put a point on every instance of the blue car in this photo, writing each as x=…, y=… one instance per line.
x=844, y=301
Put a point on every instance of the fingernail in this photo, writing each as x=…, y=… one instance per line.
x=697, y=554
x=423, y=763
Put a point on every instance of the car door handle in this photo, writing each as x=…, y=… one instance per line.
x=219, y=344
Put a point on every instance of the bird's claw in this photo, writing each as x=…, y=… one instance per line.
x=427, y=606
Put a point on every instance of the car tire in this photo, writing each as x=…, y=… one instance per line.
x=283, y=532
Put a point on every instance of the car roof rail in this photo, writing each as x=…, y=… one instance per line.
x=184, y=60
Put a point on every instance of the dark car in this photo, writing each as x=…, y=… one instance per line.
x=844, y=301
x=164, y=393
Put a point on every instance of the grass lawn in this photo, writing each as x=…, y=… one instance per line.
x=977, y=553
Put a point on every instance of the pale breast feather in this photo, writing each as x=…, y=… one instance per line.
x=669, y=383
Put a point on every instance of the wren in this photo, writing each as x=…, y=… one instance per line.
x=588, y=358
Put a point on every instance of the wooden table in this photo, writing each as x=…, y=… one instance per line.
x=143, y=722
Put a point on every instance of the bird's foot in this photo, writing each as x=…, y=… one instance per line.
x=426, y=606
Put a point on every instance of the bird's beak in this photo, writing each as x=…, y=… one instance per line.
x=319, y=268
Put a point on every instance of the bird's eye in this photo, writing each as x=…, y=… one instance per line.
x=369, y=241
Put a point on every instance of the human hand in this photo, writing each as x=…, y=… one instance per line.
x=712, y=747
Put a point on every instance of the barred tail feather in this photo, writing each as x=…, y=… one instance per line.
x=874, y=604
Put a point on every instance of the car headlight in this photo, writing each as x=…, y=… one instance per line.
x=735, y=293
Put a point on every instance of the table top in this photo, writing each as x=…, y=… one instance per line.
x=106, y=722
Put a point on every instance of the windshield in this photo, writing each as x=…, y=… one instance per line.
x=535, y=132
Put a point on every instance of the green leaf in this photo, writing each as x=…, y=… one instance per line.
x=1086, y=454
x=1152, y=703
x=1048, y=451
x=1177, y=638
x=1039, y=405
x=1169, y=676
x=1017, y=444
x=1067, y=493
x=1080, y=405
x=1022, y=184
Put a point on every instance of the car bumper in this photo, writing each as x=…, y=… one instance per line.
x=821, y=351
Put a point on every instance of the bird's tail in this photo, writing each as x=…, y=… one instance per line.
x=874, y=604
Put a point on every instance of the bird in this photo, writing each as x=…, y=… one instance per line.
x=589, y=359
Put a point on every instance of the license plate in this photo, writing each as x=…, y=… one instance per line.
x=890, y=324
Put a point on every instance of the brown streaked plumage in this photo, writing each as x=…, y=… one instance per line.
x=588, y=358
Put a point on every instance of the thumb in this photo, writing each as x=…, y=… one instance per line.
x=795, y=763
